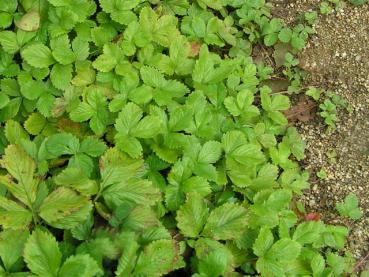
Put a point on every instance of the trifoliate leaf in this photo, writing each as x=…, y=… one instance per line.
x=349, y=207
x=93, y=109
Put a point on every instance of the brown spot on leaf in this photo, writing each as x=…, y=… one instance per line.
x=195, y=49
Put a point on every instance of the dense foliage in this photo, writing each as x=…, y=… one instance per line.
x=139, y=138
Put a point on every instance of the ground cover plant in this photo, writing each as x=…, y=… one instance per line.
x=139, y=138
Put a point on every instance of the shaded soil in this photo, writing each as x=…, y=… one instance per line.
x=337, y=58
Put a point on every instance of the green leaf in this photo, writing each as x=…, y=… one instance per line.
x=333, y=236
x=263, y=242
x=285, y=250
x=75, y=178
x=9, y=42
x=130, y=145
x=280, y=103
x=152, y=77
x=109, y=59
x=216, y=5
x=81, y=266
x=192, y=215
x=13, y=215
x=158, y=258
x=61, y=76
x=215, y=263
x=93, y=147
x=127, y=260
x=83, y=230
x=133, y=191
x=308, y=232
x=42, y=254
x=313, y=93
x=11, y=246
x=226, y=222
x=35, y=123
x=85, y=75
x=269, y=267
x=65, y=209
x=62, y=144
x=118, y=167
x=21, y=167
x=95, y=109
x=270, y=39
x=14, y=132
x=285, y=35
x=337, y=263
x=61, y=50
x=210, y=152
x=215, y=258
x=38, y=55
x=317, y=264
x=148, y=127
x=81, y=49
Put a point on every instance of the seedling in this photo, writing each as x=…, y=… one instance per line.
x=349, y=207
x=314, y=93
x=311, y=17
x=329, y=113
x=322, y=174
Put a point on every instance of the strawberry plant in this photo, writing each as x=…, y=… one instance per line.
x=349, y=207
x=138, y=138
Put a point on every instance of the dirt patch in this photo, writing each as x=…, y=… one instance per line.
x=337, y=58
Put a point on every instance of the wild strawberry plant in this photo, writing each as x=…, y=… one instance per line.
x=138, y=139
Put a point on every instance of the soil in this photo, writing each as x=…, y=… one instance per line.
x=337, y=58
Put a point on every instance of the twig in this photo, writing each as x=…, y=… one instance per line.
x=359, y=263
